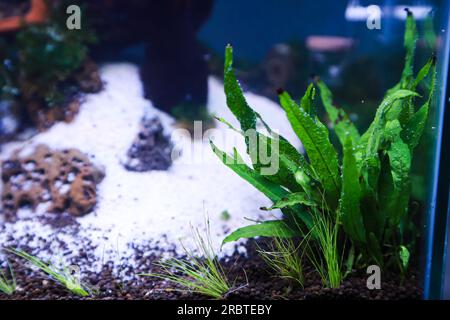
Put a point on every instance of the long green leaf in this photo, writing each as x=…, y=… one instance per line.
x=400, y=164
x=423, y=73
x=286, y=154
x=63, y=276
x=314, y=136
x=307, y=101
x=280, y=150
x=410, y=46
x=291, y=200
x=373, y=247
x=371, y=161
x=235, y=98
x=341, y=122
x=404, y=109
x=413, y=130
x=408, y=110
x=409, y=43
x=273, y=191
x=351, y=217
x=273, y=228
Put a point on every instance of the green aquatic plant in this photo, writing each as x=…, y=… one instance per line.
x=366, y=191
x=49, y=54
x=8, y=83
x=8, y=285
x=63, y=275
x=39, y=62
x=199, y=274
x=225, y=215
x=283, y=258
x=324, y=253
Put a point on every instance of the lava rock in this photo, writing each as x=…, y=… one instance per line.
x=151, y=150
x=85, y=80
x=88, y=77
x=65, y=180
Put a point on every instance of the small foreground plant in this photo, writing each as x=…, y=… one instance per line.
x=282, y=256
x=200, y=274
x=64, y=276
x=324, y=253
x=7, y=286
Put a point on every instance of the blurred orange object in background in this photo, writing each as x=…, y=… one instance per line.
x=38, y=13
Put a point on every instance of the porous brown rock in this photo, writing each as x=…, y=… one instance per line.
x=44, y=118
x=65, y=180
x=88, y=77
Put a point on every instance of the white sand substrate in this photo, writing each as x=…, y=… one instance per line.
x=152, y=208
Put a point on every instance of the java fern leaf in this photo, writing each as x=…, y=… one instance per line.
x=235, y=98
x=307, y=101
x=404, y=109
x=413, y=130
x=273, y=191
x=289, y=159
x=408, y=106
x=349, y=204
x=370, y=164
x=372, y=139
x=315, y=140
x=275, y=145
x=410, y=39
x=341, y=122
x=400, y=165
x=423, y=73
x=409, y=43
x=400, y=162
x=292, y=199
x=272, y=228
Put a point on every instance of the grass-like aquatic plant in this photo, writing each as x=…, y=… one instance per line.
x=366, y=191
x=64, y=276
x=202, y=274
x=285, y=260
x=7, y=284
x=324, y=253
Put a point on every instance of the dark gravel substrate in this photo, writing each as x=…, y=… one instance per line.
x=261, y=284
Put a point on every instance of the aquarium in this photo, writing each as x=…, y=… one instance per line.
x=224, y=150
